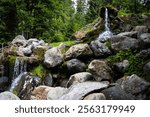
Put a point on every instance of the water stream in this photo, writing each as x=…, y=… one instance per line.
x=107, y=33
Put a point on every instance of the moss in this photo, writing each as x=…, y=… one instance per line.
x=39, y=71
x=40, y=53
x=108, y=44
x=11, y=60
x=69, y=43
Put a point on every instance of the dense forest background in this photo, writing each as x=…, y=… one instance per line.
x=56, y=20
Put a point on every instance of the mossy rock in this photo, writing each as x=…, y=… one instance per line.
x=39, y=52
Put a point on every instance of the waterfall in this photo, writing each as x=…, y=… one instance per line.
x=86, y=6
x=19, y=67
x=75, y=4
x=107, y=33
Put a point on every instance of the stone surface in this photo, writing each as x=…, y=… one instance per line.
x=115, y=92
x=79, y=78
x=95, y=96
x=135, y=85
x=19, y=41
x=100, y=49
x=56, y=93
x=100, y=70
x=8, y=96
x=145, y=38
x=121, y=66
x=78, y=51
x=40, y=93
x=27, y=51
x=146, y=69
x=144, y=54
x=132, y=34
x=4, y=82
x=123, y=43
x=75, y=66
x=48, y=81
x=79, y=90
x=54, y=56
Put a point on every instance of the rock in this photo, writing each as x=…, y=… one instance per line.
x=19, y=41
x=27, y=51
x=54, y=56
x=24, y=84
x=123, y=43
x=95, y=96
x=145, y=38
x=100, y=70
x=56, y=92
x=100, y=49
x=79, y=78
x=144, y=54
x=79, y=35
x=40, y=93
x=78, y=51
x=75, y=66
x=141, y=29
x=135, y=85
x=48, y=81
x=146, y=69
x=132, y=34
x=115, y=92
x=8, y=96
x=121, y=66
x=80, y=90
x=4, y=82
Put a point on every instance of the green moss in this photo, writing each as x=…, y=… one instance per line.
x=39, y=71
x=11, y=59
x=40, y=53
x=69, y=43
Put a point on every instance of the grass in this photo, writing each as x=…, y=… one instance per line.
x=69, y=43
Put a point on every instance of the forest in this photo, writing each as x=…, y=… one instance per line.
x=57, y=20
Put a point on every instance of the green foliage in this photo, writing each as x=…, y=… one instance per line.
x=69, y=43
x=39, y=71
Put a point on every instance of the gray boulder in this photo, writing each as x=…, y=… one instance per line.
x=145, y=38
x=121, y=66
x=80, y=90
x=54, y=56
x=100, y=49
x=75, y=66
x=144, y=54
x=79, y=78
x=115, y=92
x=56, y=92
x=48, y=81
x=123, y=43
x=4, y=82
x=8, y=96
x=146, y=69
x=100, y=70
x=78, y=51
x=135, y=85
x=132, y=34
x=95, y=96
x=27, y=51
x=19, y=40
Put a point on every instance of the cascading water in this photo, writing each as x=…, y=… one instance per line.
x=86, y=6
x=75, y=4
x=107, y=34
x=19, y=68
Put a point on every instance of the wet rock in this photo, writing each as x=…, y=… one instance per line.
x=135, y=85
x=40, y=93
x=100, y=70
x=123, y=43
x=48, y=81
x=4, y=82
x=79, y=90
x=132, y=34
x=78, y=51
x=121, y=66
x=144, y=54
x=54, y=56
x=115, y=92
x=95, y=96
x=8, y=96
x=56, y=92
x=146, y=69
x=79, y=78
x=19, y=41
x=100, y=49
x=75, y=66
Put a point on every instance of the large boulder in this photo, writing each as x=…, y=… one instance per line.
x=56, y=93
x=8, y=96
x=19, y=40
x=123, y=43
x=54, y=56
x=80, y=90
x=78, y=51
x=100, y=49
x=40, y=93
x=79, y=78
x=132, y=34
x=115, y=92
x=136, y=86
x=95, y=96
x=75, y=66
x=100, y=70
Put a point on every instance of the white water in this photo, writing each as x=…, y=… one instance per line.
x=19, y=67
x=107, y=33
x=75, y=5
x=86, y=6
